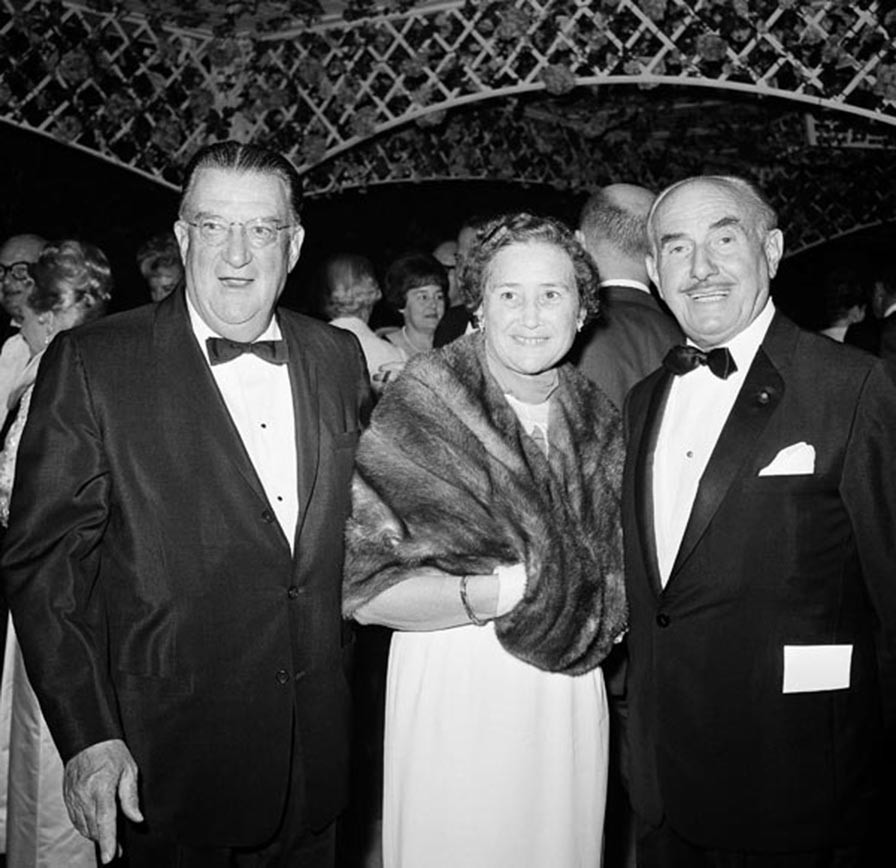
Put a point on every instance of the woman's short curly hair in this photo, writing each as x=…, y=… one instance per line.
x=521, y=227
x=71, y=274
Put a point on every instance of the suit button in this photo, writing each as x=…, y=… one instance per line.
x=282, y=676
x=293, y=592
x=267, y=516
x=663, y=620
x=763, y=397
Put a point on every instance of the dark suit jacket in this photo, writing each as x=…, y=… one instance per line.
x=452, y=325
x=627, y=343
x=154, y=592
x=767, y=561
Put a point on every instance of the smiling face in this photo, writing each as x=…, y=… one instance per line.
x=530, y=307
x=712, y=260
x=235, y=286
x=423, y=308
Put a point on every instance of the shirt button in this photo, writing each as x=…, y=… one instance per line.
x=293, y=592
x=690, y=453
x=267, y=516
x=282, y=676
x=663, y=620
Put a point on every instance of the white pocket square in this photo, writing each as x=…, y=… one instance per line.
x=795, y=460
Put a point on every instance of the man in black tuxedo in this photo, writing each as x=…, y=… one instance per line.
x=877, y=333
x=633, y=333
x=173, y=562
x=758, y=508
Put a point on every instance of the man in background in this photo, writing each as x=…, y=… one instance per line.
x=877, y=332
x=457, y=319
x=633, y=333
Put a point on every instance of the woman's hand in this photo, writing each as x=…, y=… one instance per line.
x=511, y=587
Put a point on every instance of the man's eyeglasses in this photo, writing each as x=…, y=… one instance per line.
x=18, y=270
x=259, y=232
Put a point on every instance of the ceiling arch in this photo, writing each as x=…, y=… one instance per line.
x=560, y=92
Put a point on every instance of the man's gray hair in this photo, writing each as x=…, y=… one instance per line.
x=237, y=157
x=765, y=218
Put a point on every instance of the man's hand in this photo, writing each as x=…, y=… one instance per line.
x=93, y=779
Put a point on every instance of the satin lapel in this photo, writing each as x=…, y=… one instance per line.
x=646, y=441
x=191, y=404
x=756, y=402
x=303, y=378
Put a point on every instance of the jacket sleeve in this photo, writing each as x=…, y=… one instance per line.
x=869, y=492
x=53, y=550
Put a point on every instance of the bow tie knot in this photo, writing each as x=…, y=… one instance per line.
x=682, y=360
x=222, y=350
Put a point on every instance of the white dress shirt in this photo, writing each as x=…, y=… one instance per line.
x=258, y=396
x=625, y=281
x=698, y=405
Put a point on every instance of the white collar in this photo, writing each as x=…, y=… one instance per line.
x=744, y=345
x=624, y=281
x=202, y=330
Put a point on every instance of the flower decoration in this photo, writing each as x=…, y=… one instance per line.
x=711, y=47
x=885, y=85
x=558, y=79
x=68, y=129
x=655, y=10
x=75, y=66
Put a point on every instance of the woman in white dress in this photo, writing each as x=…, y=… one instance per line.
x=72, y=282
x=485, y=529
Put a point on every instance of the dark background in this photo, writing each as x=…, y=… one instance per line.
x=58, y=191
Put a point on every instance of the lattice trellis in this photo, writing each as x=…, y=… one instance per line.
x=144, y=94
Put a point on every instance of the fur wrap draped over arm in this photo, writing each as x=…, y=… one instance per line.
x=446, y=477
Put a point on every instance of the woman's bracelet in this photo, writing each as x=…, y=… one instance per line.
x=474, y=618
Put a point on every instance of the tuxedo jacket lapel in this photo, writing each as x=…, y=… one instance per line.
x=756, y=403
x=646, y=444
x=303, y=378
x=192, y=405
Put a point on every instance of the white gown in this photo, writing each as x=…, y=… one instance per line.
x=38, y=831
x=490, y=762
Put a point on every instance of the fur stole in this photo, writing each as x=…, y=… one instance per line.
x=447, y=477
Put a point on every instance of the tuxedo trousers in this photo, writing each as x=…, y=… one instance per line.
x=662, y=847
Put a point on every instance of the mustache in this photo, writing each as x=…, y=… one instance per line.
x=696, y=286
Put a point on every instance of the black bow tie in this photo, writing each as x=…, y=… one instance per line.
x=222, y=350
x=681, y=360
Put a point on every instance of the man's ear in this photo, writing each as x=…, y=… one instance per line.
x=774, y=249
x=296, y=237
x=182, y=234
x=650, y=263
